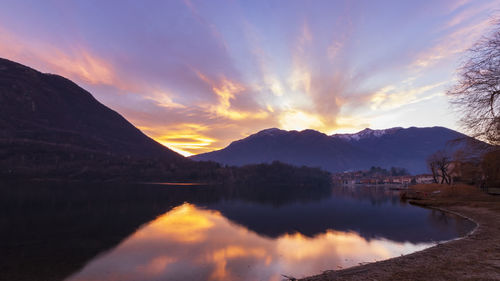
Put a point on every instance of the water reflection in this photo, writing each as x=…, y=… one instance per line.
x=148, y=232
x=192, y=243
x=370, y=212
x=49, y=230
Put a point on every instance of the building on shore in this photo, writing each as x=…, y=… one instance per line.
x=365, y=178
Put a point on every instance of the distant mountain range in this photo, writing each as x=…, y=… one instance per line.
x=394, y=147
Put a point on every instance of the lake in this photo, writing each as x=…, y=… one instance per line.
x=153, y=232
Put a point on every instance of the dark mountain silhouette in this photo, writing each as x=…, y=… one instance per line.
x=47, y=108
x=395, y=147
x=49, y=126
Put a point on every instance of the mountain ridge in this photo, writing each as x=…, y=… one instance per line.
x=399, y=147
x=51, y=128
x=367, y=132
x=50, y=108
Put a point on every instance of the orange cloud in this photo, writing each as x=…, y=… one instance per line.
x=85, y=66
x=77, y=62
x=391, y=97
x=226, y=90
x=163, y=99
x=184, y=138
x=350, y=124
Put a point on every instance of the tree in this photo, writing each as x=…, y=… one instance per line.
x=439, y=164
x=434, y=170
x=491, y=168
x=467, y=165
x=477, y=92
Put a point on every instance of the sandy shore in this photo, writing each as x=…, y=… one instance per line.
x=474, y=257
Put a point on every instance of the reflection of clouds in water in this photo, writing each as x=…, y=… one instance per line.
x=189, y=243
x=181, y=225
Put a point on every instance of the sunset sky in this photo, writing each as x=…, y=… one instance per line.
x=196, y=75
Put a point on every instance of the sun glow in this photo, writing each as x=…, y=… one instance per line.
x=186, y=138
x=299, y=120
x=189, y=147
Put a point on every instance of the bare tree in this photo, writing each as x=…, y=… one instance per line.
x=439, y=164
x=434, y=170
x=477, y=92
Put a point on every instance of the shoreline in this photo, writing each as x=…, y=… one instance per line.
x=475, y=256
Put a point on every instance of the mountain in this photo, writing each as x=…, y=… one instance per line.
x=46, y=119
x=395, y=147
x=49, y=108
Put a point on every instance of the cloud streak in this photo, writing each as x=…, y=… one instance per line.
x=195, y=76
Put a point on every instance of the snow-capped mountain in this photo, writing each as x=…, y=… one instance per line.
x=394, y=147
x=367, y=133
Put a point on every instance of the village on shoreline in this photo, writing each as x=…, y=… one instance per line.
x=358, y=178
x=378, y=176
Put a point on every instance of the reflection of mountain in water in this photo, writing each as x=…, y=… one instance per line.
x=274, y=194
x=368, y=211
x=50, y=230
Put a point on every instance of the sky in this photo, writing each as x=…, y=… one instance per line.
x=196, y=75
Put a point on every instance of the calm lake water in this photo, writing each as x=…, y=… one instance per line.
x=200, y=233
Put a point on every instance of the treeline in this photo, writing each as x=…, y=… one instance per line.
x=31, y=160
x=490, y=165
x=280, y=173
x=34, y=160
x=277, y=183
x=393, y=171
x=477, y=164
